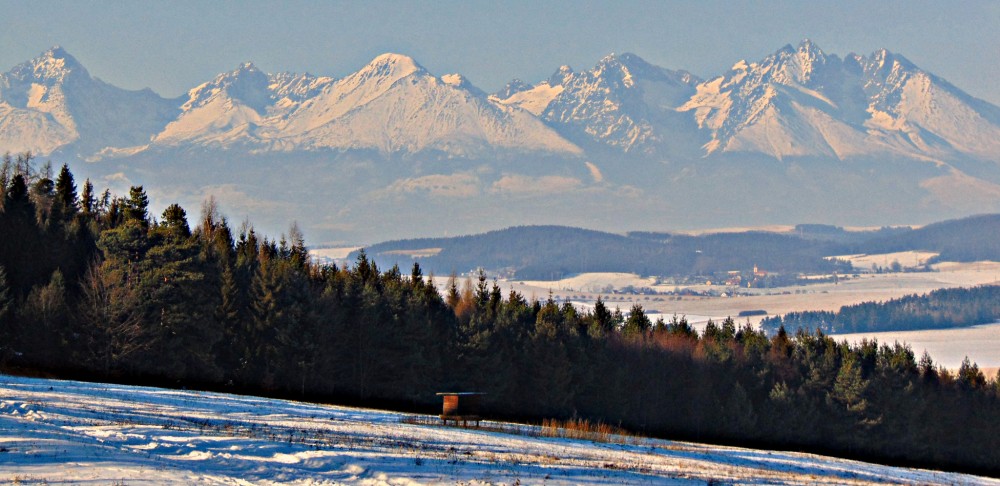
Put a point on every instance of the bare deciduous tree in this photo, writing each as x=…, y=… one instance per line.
x=110, y=314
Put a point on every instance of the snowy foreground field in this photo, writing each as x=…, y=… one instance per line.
x=59, y=432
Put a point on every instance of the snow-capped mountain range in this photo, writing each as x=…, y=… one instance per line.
x=863, y=139
x=391, y=105
x=798, y=101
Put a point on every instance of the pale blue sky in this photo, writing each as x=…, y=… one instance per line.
x=171, y=46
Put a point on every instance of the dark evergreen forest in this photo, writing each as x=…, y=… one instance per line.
x=93, y=286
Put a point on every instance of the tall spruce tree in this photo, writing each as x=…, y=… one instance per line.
x=137, y=206
x=637, y=323
x=88, y=205
x=66, y=192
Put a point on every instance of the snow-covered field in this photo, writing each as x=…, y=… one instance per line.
x=905, y=259
x=848, y=290
x=337, y=256
x=594, y=282
x=57, y=432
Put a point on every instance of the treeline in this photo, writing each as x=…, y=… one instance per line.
x=939, y=309
x=94, y=287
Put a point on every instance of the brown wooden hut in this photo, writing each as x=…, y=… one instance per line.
x=460, y=407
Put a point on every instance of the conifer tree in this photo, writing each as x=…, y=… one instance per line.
x=21, y=241
x=230, y=314
x=265, y=315
x=66, y=192
x=602, y=318
x=849, y=387
x=637, y=323
x=136, y=206
x=88, y=205
x=175, y=221
x=969, y=375
x=453, y=298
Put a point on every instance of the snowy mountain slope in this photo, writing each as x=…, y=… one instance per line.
x=803, y=102
x=238, y=106
x=934, y=115
x=624, y=103
x=533, y=99
x=51, y=102
x=392, y=105
x=67, y=432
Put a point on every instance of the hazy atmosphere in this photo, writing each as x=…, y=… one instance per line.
x=172, y=46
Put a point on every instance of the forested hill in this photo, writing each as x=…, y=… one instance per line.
x=95, y=287
x=552, y=252
x=960, y=240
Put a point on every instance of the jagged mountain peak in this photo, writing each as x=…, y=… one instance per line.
x=559, y=77
x=627, y=67
x=461, y=82
x=883, y=60
x=807, y=49
x=626, y=63
x=622, y=102
x=513, y=87
x=807, y=45
x=247, y=84
x=244, y=71
x=53, y=65
x=794, y=64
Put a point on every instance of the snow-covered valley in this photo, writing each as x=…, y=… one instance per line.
x=66, y=432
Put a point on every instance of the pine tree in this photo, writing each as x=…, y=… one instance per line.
x=637, y=323
x=453, y=298
x=230, y=315
x=849, y=387
x=66, y=192
x=136, y=207
x=603, y=320
x=175, y=221
x=21, y=244
x=87, y=203
x=265, y=315
x=969, y=375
